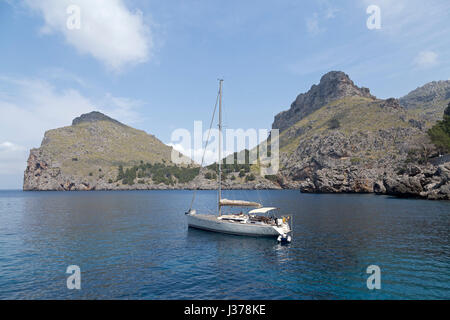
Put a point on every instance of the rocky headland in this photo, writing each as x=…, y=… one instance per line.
x=92, y=152
x=335, y=138
x=356, y=143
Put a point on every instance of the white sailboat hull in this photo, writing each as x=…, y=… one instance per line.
x=239, y=224
x=212, y=223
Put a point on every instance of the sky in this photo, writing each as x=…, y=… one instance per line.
x=154, y=64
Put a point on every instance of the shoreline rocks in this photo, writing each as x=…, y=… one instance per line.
x=427, y=182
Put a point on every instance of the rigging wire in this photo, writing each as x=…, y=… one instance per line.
x=206, y=146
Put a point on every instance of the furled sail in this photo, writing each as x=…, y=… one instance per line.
x=239, y=203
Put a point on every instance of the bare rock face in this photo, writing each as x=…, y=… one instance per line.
x=41, y=175
x=391, y=103
x=337, y=138
x=340, y=180
x=35, y=171
x=429, y=95
x=403, y=186
x=426, y=182
x=93, y=117
x=324, y=175
x=339, y=163
x=428, y=100
x=333, y=86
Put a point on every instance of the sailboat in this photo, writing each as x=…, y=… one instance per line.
x=256, y=222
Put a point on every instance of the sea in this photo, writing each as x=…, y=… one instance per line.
x=137, y=245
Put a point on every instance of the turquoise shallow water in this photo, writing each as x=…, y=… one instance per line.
x=136, y=245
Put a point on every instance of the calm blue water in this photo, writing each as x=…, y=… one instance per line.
x=136, y=245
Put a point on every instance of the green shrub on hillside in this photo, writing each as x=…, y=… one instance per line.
x=210, y=176
x=419, y=155
x=129, y=176
x=158, y=172
x=272, y=177
x=120, y=174
x=440, y=132
x=334, y=124
x=233, y=167
x=250, y=177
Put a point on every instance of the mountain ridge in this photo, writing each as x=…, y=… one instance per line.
x=87, y=153
x=94, y=116
x=355, y=142
x=333, y=85
x=428, y=101
x=336, y=137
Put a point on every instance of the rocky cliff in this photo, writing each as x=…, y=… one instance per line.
x=428, y=101
x=85, y=155
x=88, y=155
x=333, y=86
x=339, y=138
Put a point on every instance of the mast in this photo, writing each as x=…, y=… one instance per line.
x=220, y=144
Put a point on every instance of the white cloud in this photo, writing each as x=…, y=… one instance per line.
x=312, y=24
x=9, y=146
x=329, y=11
x=326, y=11
x=29, y=107
x=120, y=108
x=108, y=30
x=426, y=59
x=9, y=154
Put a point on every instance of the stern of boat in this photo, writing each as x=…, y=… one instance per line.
x=283, y=226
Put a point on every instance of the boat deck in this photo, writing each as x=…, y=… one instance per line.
x=248, y=222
